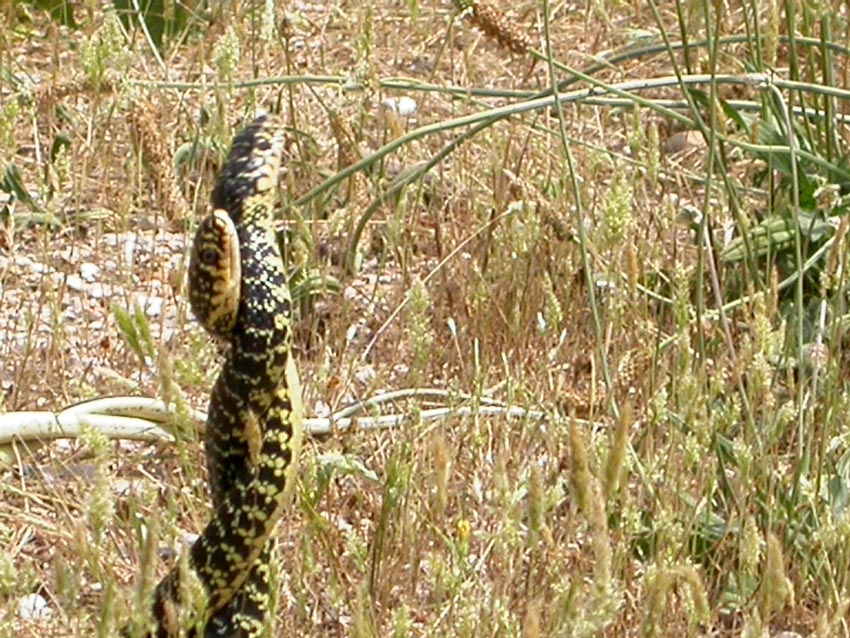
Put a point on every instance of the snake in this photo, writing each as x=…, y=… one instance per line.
x=239, y=293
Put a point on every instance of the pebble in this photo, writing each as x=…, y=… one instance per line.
x=151, y=305
x=89, y=271
x=684, y=141
x=365, y=374
x=34, y=607
x=404, y=106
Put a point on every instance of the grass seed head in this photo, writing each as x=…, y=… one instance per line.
x=777, y=590
x=105, y=53
x=227, y=53
x=495, y=24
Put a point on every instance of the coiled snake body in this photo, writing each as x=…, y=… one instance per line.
x=239, y=292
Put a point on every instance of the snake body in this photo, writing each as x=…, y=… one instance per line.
x=239, y=292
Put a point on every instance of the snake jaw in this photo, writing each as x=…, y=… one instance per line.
x=215, y=273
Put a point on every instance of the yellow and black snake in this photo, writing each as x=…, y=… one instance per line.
x=239, y=292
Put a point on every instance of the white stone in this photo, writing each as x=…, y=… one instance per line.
x=34, y=607
x=404, y=106
x=89, y=271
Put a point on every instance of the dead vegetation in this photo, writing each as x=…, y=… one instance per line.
x=701, y=493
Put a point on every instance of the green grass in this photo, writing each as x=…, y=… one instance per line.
x=688, y=308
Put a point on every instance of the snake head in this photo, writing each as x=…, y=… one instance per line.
x=215, y=274
x=246, y=184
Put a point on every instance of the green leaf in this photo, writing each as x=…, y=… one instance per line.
x=144, y=330
x=344, y=465
x=770, y=236
x=307, y=285
x=741, y=120
x=127, y=328
x=13, y=183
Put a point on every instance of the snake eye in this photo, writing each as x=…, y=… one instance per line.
x=209, y=255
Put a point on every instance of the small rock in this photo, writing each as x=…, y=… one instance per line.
x=89, y=271
x=74, y=282
x=404, y=106
x=684, y=141
x=321, y=409
x=100, y=291
x=189, y=538
x=150, y=304
x=354, y=330
x=365, y=374
x=34, y=607
x=130, y=250
x=123, y=487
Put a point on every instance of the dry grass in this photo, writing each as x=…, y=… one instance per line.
x=686, y=510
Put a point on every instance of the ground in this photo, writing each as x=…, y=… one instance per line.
x=681, y=464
